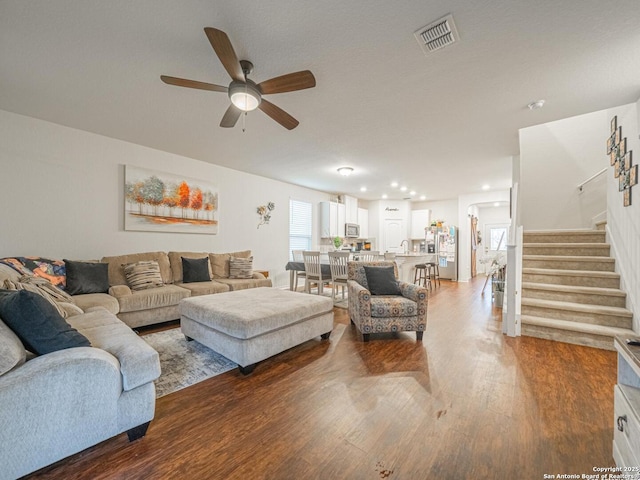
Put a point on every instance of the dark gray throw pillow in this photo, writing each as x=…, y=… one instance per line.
x=382, y=280
x=195, y=270
x=86, y=277
x=37, y=323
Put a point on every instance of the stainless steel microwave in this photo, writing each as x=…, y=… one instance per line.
x=351, y=230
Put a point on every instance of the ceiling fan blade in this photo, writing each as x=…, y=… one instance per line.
x=230, y=117
x=279, y=115
x=223, y=48
x=183, y=82
x=288, y=83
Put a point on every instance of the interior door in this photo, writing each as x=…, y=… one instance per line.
x=394, y=233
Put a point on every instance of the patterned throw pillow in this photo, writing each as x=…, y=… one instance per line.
x=143, y=275
x=241, y=267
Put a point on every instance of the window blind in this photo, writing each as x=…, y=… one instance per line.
x=300, y=226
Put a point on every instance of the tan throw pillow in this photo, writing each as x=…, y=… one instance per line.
x=220, y=262
x=143, y=275
x=241, y=267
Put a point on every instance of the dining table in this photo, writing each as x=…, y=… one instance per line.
x=294, y=267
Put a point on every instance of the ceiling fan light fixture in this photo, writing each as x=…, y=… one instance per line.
x=345, y=171
x=244, y=96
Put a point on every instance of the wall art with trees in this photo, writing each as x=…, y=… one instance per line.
x=163, y=202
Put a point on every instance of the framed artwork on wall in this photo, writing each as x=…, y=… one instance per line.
x=164, y=202
x=621, y=160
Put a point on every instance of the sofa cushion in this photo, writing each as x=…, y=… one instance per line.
x=143, y=275
x=382, y=281
x=37, y=323
x=104, y=300
x=175, y=259
x=220, y=262
x=116, y=266
x=12, y=352
x=244, y=283
x=86, y=277
x=240, y=267
x=392, y=306
x=195, y=269
x=204, y=288
x=164, y=296
x=139, y=363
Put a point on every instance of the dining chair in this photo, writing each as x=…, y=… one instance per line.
x=370, y=256
x=297, y=257
x=338, y=265
x=313, y=271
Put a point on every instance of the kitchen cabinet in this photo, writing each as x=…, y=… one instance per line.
x=332, y=219
x=351, y=209
x=626, y=406
x=363, y=221
x=419, y=221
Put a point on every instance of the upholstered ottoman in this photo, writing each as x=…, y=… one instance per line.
x=248, y=326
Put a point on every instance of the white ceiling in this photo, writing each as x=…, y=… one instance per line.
x=442, y=125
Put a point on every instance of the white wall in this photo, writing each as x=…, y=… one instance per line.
x=62, y=193
x=554, y=158
x=623, y=223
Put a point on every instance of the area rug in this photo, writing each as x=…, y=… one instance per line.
x=184, y=363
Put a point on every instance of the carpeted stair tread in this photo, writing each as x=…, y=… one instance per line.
x=570, y=258
x=614, y=292
x=575, y=326
x=572, y=273
x=566, y=244
x=577, y=307
x=554, y=235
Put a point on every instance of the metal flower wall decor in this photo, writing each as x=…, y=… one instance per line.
x=265, y=213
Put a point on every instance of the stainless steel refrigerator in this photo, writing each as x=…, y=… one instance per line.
x=442, y=242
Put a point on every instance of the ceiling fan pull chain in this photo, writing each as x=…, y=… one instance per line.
x=243, y=122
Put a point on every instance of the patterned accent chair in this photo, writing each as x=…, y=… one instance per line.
x=385, y=313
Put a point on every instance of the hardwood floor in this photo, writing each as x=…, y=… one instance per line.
x=465, y=403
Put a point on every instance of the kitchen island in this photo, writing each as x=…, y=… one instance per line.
x=407, y=262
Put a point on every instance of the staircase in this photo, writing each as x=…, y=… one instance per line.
x=570, y=291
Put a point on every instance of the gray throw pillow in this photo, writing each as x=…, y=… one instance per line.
x=86, y=277
x=241, y=267
x=37, y=323
x=195, y=270
x=382, y=281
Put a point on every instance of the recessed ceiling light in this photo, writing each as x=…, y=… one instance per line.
x=536, y=105
x=497, y=204
x=486, y=187
x=403, y=189
x=423, y=197
x=384, y=195
x=412, y=192
x=345, y=171
x=363, y=189
x=394, y=184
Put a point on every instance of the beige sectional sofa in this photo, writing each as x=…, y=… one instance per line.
x=159, y=304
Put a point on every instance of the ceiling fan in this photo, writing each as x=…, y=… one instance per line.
x=246, y=95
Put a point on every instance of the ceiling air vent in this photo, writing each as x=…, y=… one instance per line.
x=437, y=35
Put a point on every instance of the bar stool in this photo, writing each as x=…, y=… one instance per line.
x=435, y=268
x=421, y=277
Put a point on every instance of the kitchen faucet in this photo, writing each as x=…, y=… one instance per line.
x=402, y=243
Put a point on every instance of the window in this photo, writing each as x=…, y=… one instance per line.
x=299, y=226
x=497, y=234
